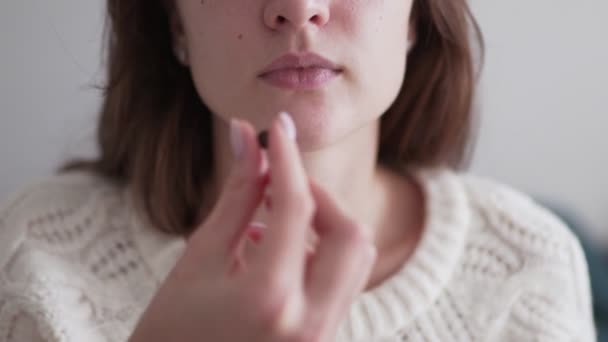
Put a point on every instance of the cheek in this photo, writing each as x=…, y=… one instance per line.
x=216, y=46
x=375, y=17
x=377, y=31
x=216, y=28
x=381, y=53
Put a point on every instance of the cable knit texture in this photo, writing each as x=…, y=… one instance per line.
x=77, y=263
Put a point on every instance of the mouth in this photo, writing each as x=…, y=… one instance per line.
x=300, y=72
x=300, y=78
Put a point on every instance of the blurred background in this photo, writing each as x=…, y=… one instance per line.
x=543, y=98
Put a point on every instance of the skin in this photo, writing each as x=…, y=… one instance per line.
x=278, y=292
x=227, y=43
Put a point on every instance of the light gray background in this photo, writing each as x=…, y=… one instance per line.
x=544, y=92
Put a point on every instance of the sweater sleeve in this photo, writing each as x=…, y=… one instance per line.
x=558, y=308
x=16, y=324
x=43, y=293
x=20, y=319
x=547, y=294
x=582, y=312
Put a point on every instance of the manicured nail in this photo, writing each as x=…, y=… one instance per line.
x=255, y=235
x=264, y=167
x=257, y=225
x=236, y=139
x=288, y=125
x=256, y=231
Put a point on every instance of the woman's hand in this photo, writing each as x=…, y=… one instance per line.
x=220, y=291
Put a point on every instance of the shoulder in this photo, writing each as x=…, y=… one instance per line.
x=536, y=263
x=65, y=261
x=61, y=187
x=517, y=219
x=55, y=210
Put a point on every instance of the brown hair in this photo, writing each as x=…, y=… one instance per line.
x=154, y=131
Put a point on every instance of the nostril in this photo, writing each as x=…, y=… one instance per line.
x=281, y=19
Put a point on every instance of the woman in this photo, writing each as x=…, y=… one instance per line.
x=210, y=216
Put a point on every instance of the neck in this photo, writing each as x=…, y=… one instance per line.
x=348, y=170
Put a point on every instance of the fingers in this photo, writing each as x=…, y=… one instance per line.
x=345, y=255
x=239, y=198
x=283, y=247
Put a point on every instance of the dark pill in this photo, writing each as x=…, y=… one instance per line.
x=263, y=139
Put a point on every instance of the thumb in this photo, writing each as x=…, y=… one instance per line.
x=241, y=195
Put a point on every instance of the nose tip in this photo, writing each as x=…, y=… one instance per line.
x=297, y=14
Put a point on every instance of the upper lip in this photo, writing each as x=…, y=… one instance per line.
x=305, y=60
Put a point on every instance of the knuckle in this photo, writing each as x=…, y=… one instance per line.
x=355, y=234
x=269, y=306
x=359, y=239
x=270, y=312
x=281, y=315
x=299, y=204
x=369, y=253
x=274, y=287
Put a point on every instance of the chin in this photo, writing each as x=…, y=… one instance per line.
x=313, y=141
x=319, y=131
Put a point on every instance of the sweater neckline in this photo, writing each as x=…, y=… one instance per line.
x=397, y=301
x=385, y=309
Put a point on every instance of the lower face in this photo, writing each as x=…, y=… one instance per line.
x=230, y=43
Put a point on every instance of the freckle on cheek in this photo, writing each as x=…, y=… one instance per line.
x=240, y=36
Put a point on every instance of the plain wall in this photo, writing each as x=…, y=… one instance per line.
x=543, y=96
x=545, y=102
x=49, y=66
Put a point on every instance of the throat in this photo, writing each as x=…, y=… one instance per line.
x=399, y=230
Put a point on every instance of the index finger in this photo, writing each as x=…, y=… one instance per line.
x=285, y=241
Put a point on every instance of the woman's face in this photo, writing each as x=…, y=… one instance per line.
x=230, y=44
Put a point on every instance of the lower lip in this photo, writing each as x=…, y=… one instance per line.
x=301, y=78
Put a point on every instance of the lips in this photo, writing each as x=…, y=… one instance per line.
x=294, y=61
x=303, y=71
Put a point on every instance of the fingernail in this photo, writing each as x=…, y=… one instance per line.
x=255, y=235
x=257, y=225
x=264, y=167
x=236, y=139
x=256, y=231
x=288, y=125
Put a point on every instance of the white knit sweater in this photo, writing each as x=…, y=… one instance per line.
x=77, y=264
